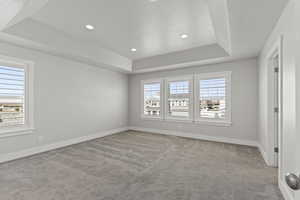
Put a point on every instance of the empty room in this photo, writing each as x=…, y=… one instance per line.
x=149, y=100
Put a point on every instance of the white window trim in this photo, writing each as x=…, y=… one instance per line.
x=143, y=116
x=194, y=107
x=166, y=93
x=28, y=126
x=206, y=121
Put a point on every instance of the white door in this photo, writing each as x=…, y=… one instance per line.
x=292, y=164
x=296, y=144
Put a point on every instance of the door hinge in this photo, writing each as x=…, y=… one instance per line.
x=276, y=149
x=276, y=109
x=276, y=69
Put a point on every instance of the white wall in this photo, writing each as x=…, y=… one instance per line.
x=244, y=102
x=201, y=53
x=285, y=28
x=72, y=100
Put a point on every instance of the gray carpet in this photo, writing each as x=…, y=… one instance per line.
x=141, y=166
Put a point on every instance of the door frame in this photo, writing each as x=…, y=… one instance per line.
x=274, y=51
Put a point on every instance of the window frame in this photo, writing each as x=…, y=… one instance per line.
x=202, y=76
x=152, y=81
x=28, y=125
x=188, y=78
x=194, y=115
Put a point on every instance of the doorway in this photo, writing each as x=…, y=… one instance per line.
x=276, y=92
x=275, y=104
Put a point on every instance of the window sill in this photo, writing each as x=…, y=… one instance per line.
x=151, y=118
x=15, y=131
x=214, y=123
x=179, y=120
x=190, y=121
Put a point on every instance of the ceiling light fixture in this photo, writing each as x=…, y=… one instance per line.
x=153, y=1
x=133, y=50
x=184, y=36
x=89, y=27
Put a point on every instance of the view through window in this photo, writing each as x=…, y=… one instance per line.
x=152, y=99
x=179, y=99
x=198, y=98
x=12, y=83
x=212, y=98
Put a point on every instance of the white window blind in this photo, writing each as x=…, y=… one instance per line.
x=212, y=98
x=12, y=92
x=195, y=98
x=179, y=99
x=152, y=99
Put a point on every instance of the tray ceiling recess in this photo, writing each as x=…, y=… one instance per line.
x=140, y=35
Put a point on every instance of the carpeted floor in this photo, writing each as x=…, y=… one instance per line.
x=141, y=166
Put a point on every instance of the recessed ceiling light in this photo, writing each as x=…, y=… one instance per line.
x=153, y=1
x=184, y=36
x=89, y=27
x=133, y=50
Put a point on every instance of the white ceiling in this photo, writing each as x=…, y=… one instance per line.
x=251, y=23
x=218, y=30
x=151, y=27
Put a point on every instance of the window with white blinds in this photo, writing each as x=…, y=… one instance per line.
x=178, y=98
x=151, y=99
x=213, y=97
x=12, y=96
x=200, y=98
x=16, y=96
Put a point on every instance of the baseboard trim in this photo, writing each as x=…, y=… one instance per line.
x=264, y=155
x=196, y=136
x=286, y=192
x=49, y=147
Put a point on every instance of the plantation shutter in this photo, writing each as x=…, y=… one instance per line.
x=12, y=92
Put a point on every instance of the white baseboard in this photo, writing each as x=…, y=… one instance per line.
x=41, y=149
x=264, y=155
x=197, y=136
x=286, y=192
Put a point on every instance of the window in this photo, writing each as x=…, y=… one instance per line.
x=15, y=96
x=151, y=99
x=12, y=83
x=213, y=97
x=179, y=98
x=202, y=98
